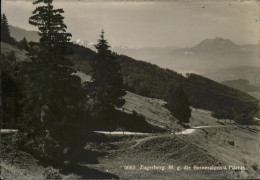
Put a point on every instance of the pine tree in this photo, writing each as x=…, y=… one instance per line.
x=179, y=104
x=23, y=44
x=5, y=32
x=54, y=95
x=53, y=35
x=107, y=79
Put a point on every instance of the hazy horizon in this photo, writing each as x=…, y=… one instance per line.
x=150, y=24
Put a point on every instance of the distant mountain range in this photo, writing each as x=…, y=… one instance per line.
x=143, y=53
x=209, y=56
x=214, y=44
x=218, y=59
x=19, y=34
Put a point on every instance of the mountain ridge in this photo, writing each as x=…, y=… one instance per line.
x=216, y=43
x=19, y=33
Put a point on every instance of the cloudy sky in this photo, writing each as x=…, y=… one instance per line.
x=157, y=24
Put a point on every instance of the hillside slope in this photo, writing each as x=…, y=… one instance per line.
x=155, y=112
x=152, y=81
x=19, y=54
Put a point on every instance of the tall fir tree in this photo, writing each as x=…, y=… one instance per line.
x=5, y=32
x=55, y=95
x=107, y=79
x=179, y=104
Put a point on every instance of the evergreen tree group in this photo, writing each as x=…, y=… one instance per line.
x=179, y=104
x=10, y=90
x=52, y=97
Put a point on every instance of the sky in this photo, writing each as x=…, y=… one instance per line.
x=150, y=24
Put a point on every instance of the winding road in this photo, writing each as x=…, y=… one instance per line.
x=184, y=132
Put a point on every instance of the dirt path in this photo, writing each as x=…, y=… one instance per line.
x=184, y=132
x=122, y=133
